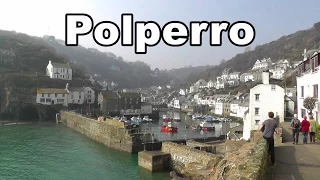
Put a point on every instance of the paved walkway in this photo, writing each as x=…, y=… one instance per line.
x=295, y=162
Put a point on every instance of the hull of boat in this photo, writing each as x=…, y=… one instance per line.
x=169, y=129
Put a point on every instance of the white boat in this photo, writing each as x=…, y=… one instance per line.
x=206, y=125
x=136, y=120
x=164, y=116
x=176, y=119
x=146, y=118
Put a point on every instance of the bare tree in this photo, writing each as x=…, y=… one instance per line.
x=309, y=103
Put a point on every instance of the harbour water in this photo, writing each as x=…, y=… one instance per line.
x=183, y=132
x=55, y=152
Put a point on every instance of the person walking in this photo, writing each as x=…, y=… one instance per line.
x=305, y=125
x=295, y=125
x=312, y=130
x=269, y=127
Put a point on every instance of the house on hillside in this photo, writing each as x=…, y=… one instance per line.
x=211, y=84
x=59, y=71
x=130, y=103
x=225, y=73
x=262, y=64
x=261, y=103
x=279, y=68
x=308, y=81
x=177, y=103
x=109, y=103
x=51, y=96
x=76, y=95
x=245, y=77
x=201, y=83
x=220, y=83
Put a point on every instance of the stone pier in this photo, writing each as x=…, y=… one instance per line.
x=154, y=160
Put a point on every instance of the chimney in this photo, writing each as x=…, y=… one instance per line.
x=265, y=77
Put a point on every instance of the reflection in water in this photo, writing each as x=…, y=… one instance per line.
x=184, y=132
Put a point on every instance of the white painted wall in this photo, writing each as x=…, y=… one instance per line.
x=307, y=81
x=89, y=95
x=65, y=74
x=76, y=97
x=48, y=98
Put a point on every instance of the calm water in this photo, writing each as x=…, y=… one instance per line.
x=183, y=132
x=57, y=152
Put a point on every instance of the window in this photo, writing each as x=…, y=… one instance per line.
x=42, y=95
x=89, y=100
x=71, y=96
x=48, y=100
x=315, y=90
x=78, y=101
x=257, y=122
x=55, y=95
x=257, y=97
x=256, y=111
x=42, y=99
x=60, y=100
x=302, y=91
x=303, y=113
x=79, y=96
x=273, y=87
x=62, y=95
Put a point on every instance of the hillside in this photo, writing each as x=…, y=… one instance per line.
x=180, y=75
x=32, y=54
x=109, y=66
x=289, y=47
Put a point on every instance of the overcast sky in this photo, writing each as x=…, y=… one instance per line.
x=272, y=19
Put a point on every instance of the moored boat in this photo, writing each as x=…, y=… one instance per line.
x=169, y=127
x=207, y=126
x=147, y=119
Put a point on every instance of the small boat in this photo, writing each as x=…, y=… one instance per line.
x=136, y=120
x=147, y=119
x=169, y=127
x=176, y=119
x=207, y=126
x=164, y=116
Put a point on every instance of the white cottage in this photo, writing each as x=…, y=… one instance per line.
x=308, y=81
x=59, y=71
x=50, y=96
x=261, y=103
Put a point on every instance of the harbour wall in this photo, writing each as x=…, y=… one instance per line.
x=111, y=133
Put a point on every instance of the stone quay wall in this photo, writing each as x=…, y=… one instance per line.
x=184, y=158
x=249, y=162
x=111, y=133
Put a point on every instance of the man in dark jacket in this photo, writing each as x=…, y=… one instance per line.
x=269, y=127
x=295, y=125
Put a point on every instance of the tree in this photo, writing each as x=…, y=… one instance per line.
x=247, y=49
x=222, y=61
x=309, y=103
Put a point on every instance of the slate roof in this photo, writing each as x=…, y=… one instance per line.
x=51, y=91
x=129, y=95
x=61, y=65
x=110, y=95
x=77, y=89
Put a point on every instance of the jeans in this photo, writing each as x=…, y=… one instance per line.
x=295, y=135
x=305, y=137
x=270, y=142
x=312, y=137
